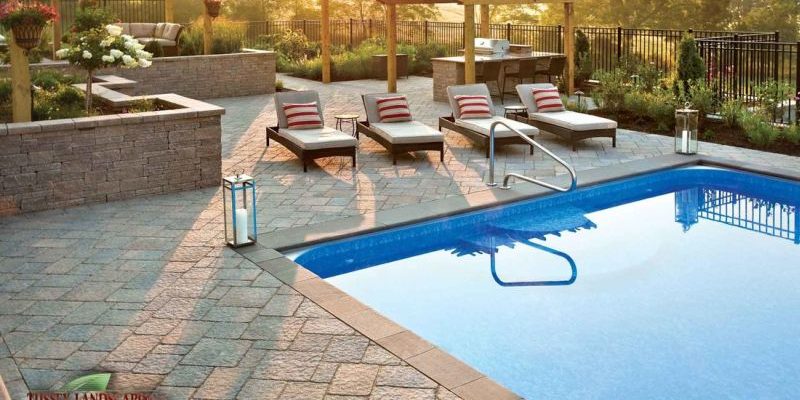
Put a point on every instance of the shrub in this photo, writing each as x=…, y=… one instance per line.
x=49, y=79
x=792, y=134
x=701, y=97
x=610, y=95
x=771, y=95
x=64, y=102
x=731, y=112
x=154, y=48
x=690, y=65
x=5, y=91
x=421, y=64
x=88, y=18
x=583, y=59
x=638, y=103
x=759, y=130
x=661, y=108
x=575, y=105
x=228, y=38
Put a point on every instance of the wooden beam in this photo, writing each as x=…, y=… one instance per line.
x=56, y=27
x=20, y=82
x=391, y=47
x=485, y=21
x=169, y=10
x=569, y=47
x=517, y=2
x=208, y=33
x=469, y=44
x=325, y=26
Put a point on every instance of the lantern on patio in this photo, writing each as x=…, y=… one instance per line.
x=686, y=126
x=239, y=210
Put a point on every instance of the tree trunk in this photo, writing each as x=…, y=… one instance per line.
x=89, y=80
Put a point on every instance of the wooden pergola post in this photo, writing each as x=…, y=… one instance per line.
x=208, y=33
x=20, y=82
x=325, y=27
x=56, y=27
x=469, y=43
x=569, y=47
x=485, y=21
x=391, y=48
x=169, y=10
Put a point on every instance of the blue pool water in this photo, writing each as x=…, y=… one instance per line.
x=681, y=284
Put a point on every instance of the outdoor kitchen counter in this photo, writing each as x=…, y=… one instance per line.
x=448, y=71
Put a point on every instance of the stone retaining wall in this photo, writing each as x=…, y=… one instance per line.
x=198, y=77
x=61, y=163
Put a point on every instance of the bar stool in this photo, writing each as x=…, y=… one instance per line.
x=527, y=70
x=490, y=72
x=556, y=69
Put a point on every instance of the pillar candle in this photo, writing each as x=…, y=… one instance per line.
x=241, y=225
x=685, y=141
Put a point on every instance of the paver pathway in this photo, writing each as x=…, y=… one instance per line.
x=144, y=288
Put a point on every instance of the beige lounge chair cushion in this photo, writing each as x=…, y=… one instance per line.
x=574, y=121
x=483, y=125
x=170, y=32
x=407, y=132
x=319, y=138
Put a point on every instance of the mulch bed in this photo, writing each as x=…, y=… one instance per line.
x=711, y=131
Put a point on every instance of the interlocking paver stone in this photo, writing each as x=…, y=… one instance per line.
x=353, y=379
x=217, y=352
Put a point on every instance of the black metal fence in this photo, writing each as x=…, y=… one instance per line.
x=124, y=10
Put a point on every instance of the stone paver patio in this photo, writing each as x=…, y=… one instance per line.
x=145, y=288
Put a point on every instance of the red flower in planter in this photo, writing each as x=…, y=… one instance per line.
x=36, y=14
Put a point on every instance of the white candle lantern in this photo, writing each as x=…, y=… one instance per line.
x=239, y=210
x=686, y=127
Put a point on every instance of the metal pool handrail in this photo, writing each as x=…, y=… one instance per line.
x=523, y=177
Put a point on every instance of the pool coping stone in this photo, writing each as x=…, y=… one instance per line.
x=437, y=364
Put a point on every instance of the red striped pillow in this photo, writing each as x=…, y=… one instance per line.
x=473, y=106
x=393, y=109
x=302, y=115
x=547, y=100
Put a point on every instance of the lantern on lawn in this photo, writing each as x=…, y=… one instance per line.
x=239, y=210
x=686, y=126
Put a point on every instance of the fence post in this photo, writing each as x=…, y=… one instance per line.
x=425, y=32
x=351, y=33
x=619, y=44
x=369, y=27
x=735, y=71
x=560, y=39
x=305, y=26
x=777, y=36
x=796, y=89
x=508, y=31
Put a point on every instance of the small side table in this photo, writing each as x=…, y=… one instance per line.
x=514, y=110
x=351, y=119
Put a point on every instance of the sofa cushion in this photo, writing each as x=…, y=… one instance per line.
x=319, y=138
x=141, y=29
x=483, y=125
x=126, y=27
x=407, y=132
x=170, y=32
x=163, y=42
x=574, y=121
x=159, y=32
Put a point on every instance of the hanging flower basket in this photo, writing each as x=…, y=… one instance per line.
x=213, y=8
x=27, y=36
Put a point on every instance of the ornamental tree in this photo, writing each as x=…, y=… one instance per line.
x=99, y=48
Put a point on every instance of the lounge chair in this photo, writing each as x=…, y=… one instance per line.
x=401, y=136
x=477, y=129
x=570, y=125
x=309, y=144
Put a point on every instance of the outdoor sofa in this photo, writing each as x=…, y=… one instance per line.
x=477, y=129
x=570, y=125
x=400, y=136
x=165, y=34
x=309, y=144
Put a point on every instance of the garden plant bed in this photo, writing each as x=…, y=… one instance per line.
x=710, y=131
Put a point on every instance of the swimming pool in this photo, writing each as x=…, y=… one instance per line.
x=676, y=284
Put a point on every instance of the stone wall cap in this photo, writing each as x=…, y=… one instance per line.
x=3, y=129
x=23, y=127
x=56, y=125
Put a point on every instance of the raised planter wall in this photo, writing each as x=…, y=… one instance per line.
x=198, y=77
x=61, y=163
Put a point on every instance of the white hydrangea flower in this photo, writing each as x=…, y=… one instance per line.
x=107, y=42
x=143, y=54
x=63, y=53
x=115, y=53
x=114, y=30
x=87, y=55
x=108, y=59
x=130, y=45
x=144, y=63
x=128, y=61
